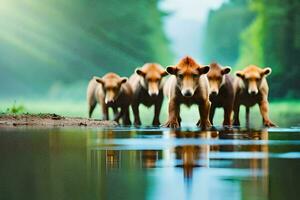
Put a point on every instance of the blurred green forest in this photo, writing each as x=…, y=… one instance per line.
x=52, y=47
x=262, y=32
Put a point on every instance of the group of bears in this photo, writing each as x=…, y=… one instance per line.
x=190, y=83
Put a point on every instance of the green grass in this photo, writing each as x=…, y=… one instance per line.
x=15, y=109
x=283, y=113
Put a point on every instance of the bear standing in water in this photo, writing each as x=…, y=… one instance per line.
x=221, y=91
x=252, y=88
x=147, y=85
x=110, y=91
x=188, y=85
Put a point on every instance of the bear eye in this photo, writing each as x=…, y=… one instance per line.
x=180, y=76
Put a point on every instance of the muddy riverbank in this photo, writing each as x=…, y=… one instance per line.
x=50, y=120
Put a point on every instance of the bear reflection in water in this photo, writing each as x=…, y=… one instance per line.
x=208, y=152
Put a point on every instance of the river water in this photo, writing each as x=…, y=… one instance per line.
x=149, y=163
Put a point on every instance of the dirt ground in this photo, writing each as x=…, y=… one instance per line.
x=50, y=120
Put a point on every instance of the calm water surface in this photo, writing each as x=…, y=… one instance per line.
x=149, y=163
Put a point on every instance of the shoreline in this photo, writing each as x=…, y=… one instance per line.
x=50, y=120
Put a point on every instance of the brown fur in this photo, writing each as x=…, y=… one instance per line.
x=147, y=84
x=221, y=91
x=188, y=86
x=252, y=88
x=110, y=91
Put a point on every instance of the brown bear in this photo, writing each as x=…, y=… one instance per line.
x=147, y=85
x=252, y=88
x=188, y=85
x=110, y=91
x=221, y=91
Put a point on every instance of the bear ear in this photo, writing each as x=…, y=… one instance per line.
x=124, y=80
x=240, y=74
x=267, y=71
x=226, y=70
x=99, y=80
x=140, y=72
x=204, y=70
x=172, y=70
